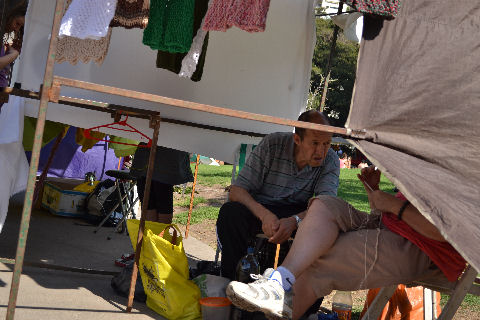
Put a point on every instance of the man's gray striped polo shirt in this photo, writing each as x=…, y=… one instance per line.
x=272, y=177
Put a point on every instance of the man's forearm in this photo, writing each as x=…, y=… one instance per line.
x=241, y=195
x=411, y=216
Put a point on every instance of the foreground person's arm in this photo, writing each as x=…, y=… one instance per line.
x=386, y=202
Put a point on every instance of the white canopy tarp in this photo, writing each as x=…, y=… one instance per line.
x=266, y=73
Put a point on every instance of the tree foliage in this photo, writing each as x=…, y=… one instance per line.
x=342, y=75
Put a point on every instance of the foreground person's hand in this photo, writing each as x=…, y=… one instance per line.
x=370, y=176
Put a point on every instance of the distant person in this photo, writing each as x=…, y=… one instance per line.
x=11, y=47
x=344, y=163
x=362, y=165
x=357, y=158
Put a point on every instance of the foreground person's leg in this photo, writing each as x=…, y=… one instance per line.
x=303, y=297
x=315, y=236
x=272, y=293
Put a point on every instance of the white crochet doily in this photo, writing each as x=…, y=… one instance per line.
x=88, y=19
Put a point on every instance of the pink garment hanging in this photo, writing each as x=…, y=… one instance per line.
x=248, y=15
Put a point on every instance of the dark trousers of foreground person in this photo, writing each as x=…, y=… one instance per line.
x=237, y=228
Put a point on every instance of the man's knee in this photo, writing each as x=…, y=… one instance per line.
x=320, y=208
x=231, y=214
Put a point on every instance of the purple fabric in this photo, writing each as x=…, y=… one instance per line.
x=71, y=162
x=4, y=72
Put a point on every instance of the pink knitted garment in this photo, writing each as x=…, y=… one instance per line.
x=248, y=15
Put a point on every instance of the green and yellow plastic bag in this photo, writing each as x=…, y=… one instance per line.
x=164, y=270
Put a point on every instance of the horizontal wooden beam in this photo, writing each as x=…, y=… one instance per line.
x=196, y=106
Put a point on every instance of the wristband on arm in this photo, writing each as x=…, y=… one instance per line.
x=402, y=209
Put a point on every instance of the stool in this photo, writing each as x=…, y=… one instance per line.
x=124, y=184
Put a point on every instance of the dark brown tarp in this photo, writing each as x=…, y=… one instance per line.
x=417, y=95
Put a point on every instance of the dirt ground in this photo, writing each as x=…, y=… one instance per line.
x=205, y=231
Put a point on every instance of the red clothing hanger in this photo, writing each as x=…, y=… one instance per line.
x=119, y=124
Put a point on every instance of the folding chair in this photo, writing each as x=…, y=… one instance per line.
x=241, y=155
x=468, y=283
x=124, y=186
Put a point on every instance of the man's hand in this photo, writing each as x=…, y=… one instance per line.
x=270, y=223
x=370, y=177
x=287, y=226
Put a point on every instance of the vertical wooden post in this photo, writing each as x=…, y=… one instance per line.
x=155, y=122
x=32, y=174
x=192, y=196
x=277, y=254
x=41, y=180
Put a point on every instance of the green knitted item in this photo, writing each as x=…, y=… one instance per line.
x=170, y=25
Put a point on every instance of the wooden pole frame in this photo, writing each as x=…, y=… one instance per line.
x=32, y=174
x=155, y=123
x=192, y=196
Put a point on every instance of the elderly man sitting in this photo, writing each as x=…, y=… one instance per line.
x=272, y=190
x=340, y=248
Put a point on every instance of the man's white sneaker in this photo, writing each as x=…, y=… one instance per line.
x=263, y=295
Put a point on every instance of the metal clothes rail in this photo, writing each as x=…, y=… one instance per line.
x=50, y=93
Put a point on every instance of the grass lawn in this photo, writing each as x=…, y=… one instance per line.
x=185, y=202
x=350, y=189
x=212, y=175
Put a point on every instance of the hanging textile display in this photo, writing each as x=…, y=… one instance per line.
x=248, y=15
x=191, y=60
x=121, y=149
x=416, y=98
x=189, y=64
x=86, y=143
x=385, y=8
x=170, y=25
x=131, y=14
x=51, y=131
x=13, y=163
x=73, y=49
x=352, y=25
x=87, y=19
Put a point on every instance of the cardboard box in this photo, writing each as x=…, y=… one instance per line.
x=59, y=198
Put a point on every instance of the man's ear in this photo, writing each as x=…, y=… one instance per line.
x=296, y=139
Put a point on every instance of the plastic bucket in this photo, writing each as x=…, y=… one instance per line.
x=215, y=308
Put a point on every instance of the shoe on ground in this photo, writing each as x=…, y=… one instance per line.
x=121, y=263
x=125, y=260
x=128, y=256
x=263, y=295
